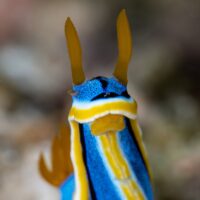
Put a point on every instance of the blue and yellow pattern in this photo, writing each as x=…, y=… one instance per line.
x=106, y=148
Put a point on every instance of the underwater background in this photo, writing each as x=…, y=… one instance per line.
x=164, y=78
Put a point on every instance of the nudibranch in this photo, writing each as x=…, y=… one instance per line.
x=101, y=155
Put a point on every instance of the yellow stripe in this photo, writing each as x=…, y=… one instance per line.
x=130, y=191
x=81, y=114
x=119, y=166
x=118, y=155
x=82, y=191
x=126, y=190
x=138, y=195
x=109, y=154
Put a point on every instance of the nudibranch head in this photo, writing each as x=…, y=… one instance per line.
x=100, y=96
x=99, y=88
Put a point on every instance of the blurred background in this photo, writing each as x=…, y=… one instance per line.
x=164, y=78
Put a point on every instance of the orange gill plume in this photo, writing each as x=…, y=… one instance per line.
x=60, y=158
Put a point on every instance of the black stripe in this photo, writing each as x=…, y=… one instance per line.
x=104, y=83
x=125, y=94
x=128, y=123
x=92, y=192
x=105, y=96
x=111, y=94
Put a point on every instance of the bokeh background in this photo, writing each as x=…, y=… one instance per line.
x=164, y=78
